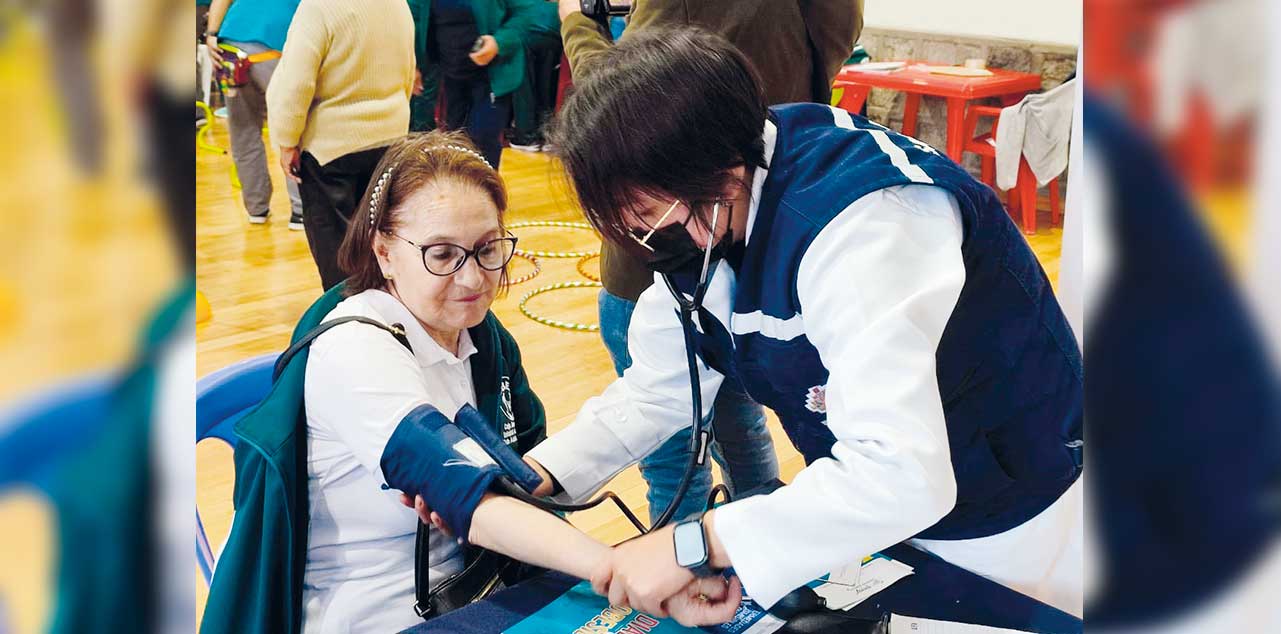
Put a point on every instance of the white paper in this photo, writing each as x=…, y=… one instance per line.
x=848, y=586
x=914, y=625
x=872, y=67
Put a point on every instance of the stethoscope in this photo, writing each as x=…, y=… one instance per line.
x=701, y=436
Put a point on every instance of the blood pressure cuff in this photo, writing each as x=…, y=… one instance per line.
x=428, y=455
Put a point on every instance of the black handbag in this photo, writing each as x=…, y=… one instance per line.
x=484, y=573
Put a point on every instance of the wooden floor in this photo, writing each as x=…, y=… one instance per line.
x=259, y=279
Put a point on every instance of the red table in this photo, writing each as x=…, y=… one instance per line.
x=913, y=79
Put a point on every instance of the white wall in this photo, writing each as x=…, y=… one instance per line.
x=1050, y=21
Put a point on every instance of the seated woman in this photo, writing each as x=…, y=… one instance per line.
x=322, y=540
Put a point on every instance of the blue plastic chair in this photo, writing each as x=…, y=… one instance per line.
x=222, y=399
x=38, y=433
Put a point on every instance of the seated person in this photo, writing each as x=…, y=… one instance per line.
x=426, y=253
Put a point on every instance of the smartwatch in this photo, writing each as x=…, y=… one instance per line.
x=690, y=540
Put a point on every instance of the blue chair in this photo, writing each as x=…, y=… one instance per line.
x=222, y=399
x=38, y=433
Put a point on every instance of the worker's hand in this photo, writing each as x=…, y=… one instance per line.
x=643, y=574
x=418, y=82
x=707, y=601
x=488, y=51
x=425, y=514
x=290, y=158
x=569, y=7
x=545, y=489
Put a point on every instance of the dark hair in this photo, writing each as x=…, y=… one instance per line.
x=408, y=165
x=665, y=112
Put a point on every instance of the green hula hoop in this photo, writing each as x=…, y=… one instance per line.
x=556, y=323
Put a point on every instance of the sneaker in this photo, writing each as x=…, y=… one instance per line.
x=295, y=222
x=525, y=142
x=527, y=147
x=259, y=219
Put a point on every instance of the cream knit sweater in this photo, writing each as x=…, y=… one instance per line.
x=344, y=81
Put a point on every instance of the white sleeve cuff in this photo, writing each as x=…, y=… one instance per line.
x=608, y=436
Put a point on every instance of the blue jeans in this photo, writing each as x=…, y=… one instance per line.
x=743, y=446
x=470, y=106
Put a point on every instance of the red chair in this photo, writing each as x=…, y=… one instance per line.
x=1023, y=196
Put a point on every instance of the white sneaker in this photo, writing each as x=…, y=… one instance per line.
x=295, y=223
x=258, y=219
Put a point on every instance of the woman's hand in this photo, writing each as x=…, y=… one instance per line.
x=487, y=52
x=643, y=574
x=707, y=601
x=567, y=8
x=290, y=158
x=545, y=489
x=425, y=514
x=211, y=45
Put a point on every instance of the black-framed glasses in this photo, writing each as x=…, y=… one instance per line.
x=445, y=258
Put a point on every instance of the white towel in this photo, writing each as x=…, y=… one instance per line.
x=1038, y=128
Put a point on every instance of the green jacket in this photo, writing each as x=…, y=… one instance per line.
x=103, y=497
x=511, y=22
x=257, y=587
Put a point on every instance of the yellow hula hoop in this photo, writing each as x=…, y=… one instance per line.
x=538, y=268
x=557, y=224
x=583, y=272
x=556, y=323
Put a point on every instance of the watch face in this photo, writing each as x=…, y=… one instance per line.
x=691, y=549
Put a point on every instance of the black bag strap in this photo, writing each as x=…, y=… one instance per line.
x=396, y=330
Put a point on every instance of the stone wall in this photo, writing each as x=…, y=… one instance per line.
x=1055, y=63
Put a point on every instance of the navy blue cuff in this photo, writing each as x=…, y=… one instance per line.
x=420, y=459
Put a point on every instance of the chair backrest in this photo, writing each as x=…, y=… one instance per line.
x=39, y=432
x=222, y=398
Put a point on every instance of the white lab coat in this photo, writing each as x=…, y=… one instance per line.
x=877, y=287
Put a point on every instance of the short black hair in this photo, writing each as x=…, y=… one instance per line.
x=665, y=112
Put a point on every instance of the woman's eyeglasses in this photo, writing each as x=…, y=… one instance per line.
x=445, y=258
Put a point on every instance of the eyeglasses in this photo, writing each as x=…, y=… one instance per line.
x=445, y=258
x=643, y=240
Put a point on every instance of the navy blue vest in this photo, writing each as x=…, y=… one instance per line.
x=1009, y=369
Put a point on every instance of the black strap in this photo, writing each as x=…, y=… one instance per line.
x=396, y=330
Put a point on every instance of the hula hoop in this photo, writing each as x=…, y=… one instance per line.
x=538, y=268
x=556, y=323
x=557, y=224
x=583, y=272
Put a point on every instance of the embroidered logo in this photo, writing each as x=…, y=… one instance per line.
x=816, y=399
x=505, y=406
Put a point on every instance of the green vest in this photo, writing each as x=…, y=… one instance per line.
x=257, y=586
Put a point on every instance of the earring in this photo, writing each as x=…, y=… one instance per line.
x=387, y=276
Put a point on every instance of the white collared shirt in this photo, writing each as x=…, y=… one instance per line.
x=877, y=287
x=360, y=383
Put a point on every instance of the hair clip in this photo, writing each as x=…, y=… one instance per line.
x=378, y=192
x=462, y=149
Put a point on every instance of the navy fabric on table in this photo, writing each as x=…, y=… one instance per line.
x=937, y=590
